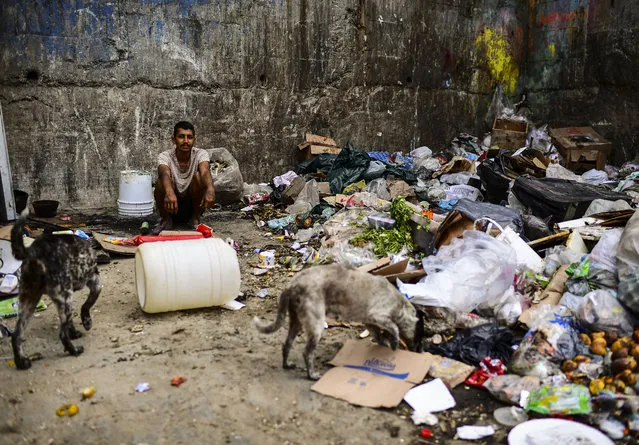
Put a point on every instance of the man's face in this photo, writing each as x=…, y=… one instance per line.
x=184, y=140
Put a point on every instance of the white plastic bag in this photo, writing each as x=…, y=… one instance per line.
x=603, y=205
x=476, y=270
x=595, y=176
x=227, y=177
x=421, y=152
x=284, y=179
x=628, y=265
x=345, y=253
x=378, y=187
x=604, y=254
x=557, y=171
x=306, y=200
x=599, y=310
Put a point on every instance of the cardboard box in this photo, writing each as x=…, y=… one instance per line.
x=320, y=140
x=396, y=271
x=315, y=145
x=581, y=147
x=374, y=266
x=509, y=134
x=371, y=375
x=392, y=272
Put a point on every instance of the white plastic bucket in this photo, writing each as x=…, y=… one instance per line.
x=175, y=275
x=136, y=193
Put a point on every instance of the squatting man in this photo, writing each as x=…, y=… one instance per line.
x=184, y=187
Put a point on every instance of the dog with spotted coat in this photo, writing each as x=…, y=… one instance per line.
x=56, y=265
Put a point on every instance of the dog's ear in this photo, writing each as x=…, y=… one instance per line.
x=419, y=331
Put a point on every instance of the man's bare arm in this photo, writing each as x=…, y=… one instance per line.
x=170, y=200
x=208, y=199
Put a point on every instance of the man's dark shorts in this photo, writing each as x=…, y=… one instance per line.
x=185, y=209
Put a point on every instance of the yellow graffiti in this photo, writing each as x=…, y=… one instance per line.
x=497, y=57
x=551, y=48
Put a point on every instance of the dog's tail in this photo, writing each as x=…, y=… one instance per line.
x=281, y=315
x=20, y=252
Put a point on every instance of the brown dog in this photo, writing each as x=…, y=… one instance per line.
x=342, y=293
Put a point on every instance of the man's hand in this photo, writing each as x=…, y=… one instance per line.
x=208, y=199
x=170, y=202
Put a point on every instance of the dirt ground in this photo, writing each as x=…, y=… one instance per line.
x=236, y=391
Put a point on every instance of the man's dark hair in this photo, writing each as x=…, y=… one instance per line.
x=184, y=125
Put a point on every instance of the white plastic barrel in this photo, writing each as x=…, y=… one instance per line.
x=136, y=193
x=175, y=275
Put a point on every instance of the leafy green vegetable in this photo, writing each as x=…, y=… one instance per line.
x=391, y=240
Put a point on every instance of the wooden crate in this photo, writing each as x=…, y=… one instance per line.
x=581, y=147
x=509, y=134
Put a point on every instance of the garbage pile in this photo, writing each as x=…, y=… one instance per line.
x=528, y=270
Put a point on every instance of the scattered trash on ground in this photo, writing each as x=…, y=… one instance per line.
x=142, y=387
x=88, y=392
x=67, y=410
x=177, y=381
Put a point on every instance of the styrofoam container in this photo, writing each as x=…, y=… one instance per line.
x=266, y=259
x=380, y=221
x=188, y=274
x=136, y=193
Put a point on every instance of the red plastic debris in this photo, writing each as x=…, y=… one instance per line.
x=139, y=239
x=425, y=433
x=205, y=230
x=177, y=381
x=489, y=367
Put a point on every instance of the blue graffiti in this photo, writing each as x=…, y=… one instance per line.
x=158, y=35
x=61, y=25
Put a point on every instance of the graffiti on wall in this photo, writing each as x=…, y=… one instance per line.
x=557, y=41
x=495, y=52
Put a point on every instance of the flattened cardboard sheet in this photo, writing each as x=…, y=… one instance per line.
x=374, y=376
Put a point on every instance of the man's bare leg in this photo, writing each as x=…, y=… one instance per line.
x=196, y=193
x=166, y=222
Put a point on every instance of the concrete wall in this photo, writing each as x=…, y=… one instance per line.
x=89, y=88
x=582, y=64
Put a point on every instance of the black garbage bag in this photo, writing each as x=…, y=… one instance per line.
x=405, y=175
x=277, y=194
x=560, y=199
x=322, y=162
x=472, y=345
x=350, y=166
x=315, y=215
x=376, y=169
x=492, y=173
x=506, y=217
x=535, y=228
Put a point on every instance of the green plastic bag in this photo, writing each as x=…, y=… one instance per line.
x=567, y=399
x=579, y=270
x=9, y=308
